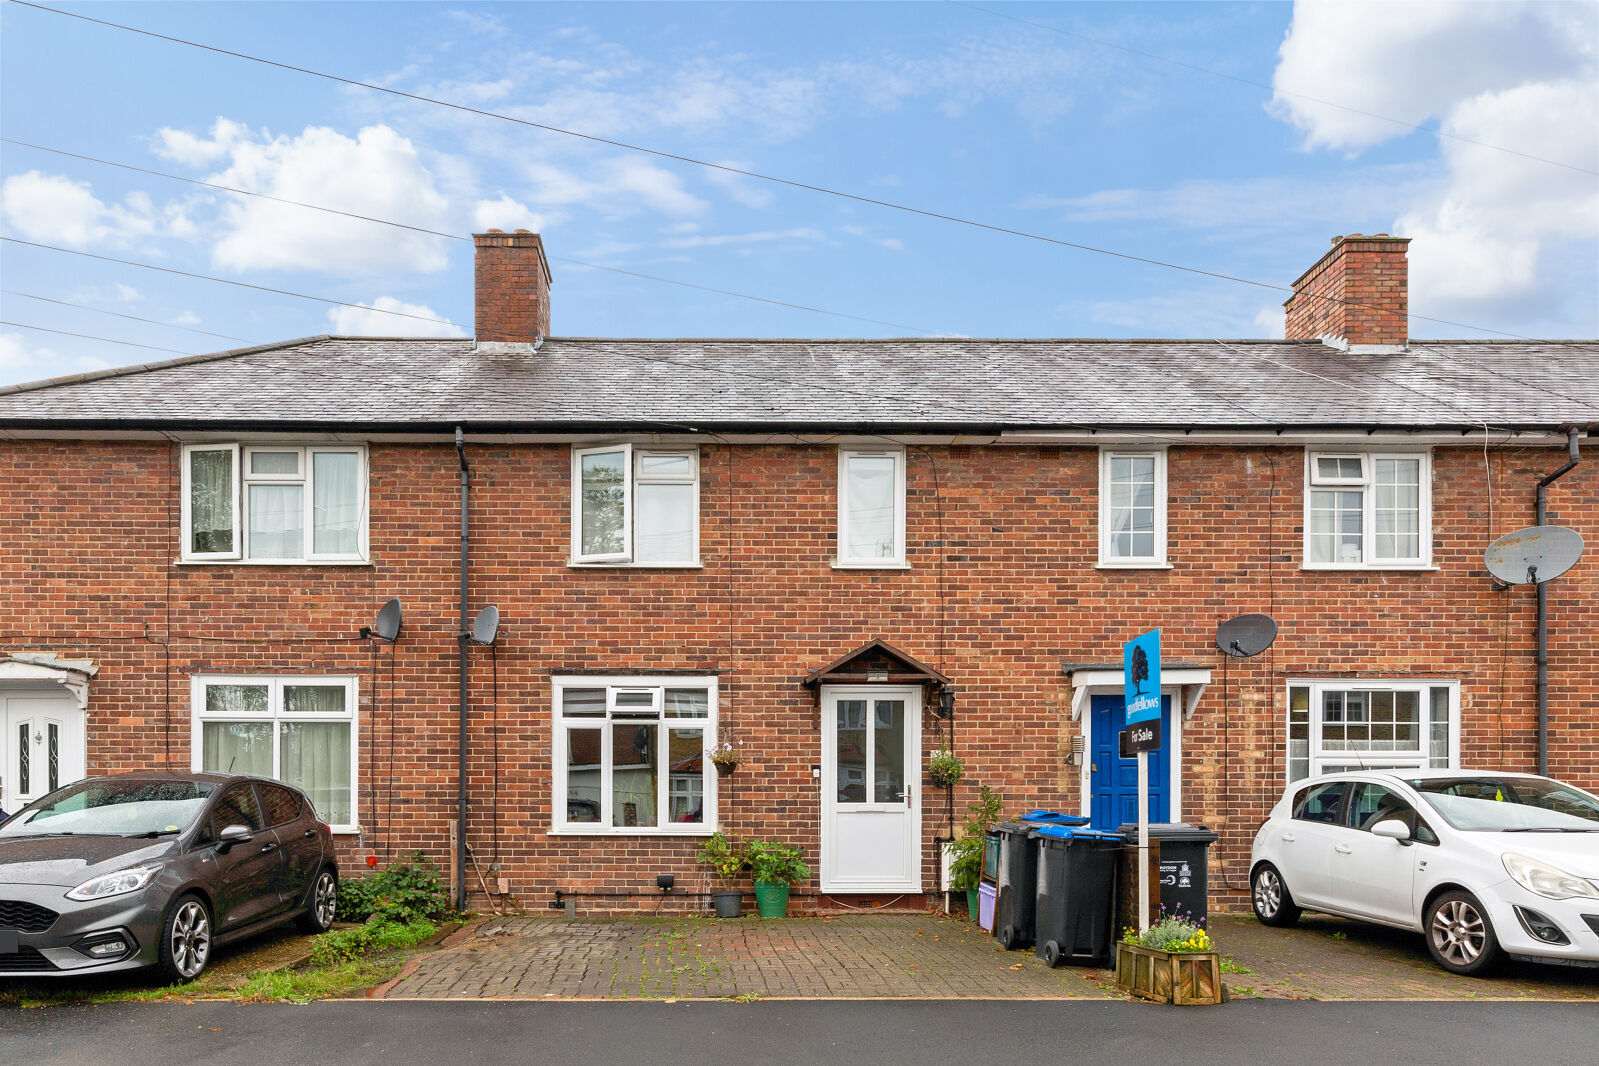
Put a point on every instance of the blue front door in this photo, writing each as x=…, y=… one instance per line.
x=1114, y=780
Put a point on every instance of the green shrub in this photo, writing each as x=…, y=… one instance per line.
x=771, y=860
x=726, y=857
x=407, y=891
x=966, y=863
x=1171, y=934
x=348, y=945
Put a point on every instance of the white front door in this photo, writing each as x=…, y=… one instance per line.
x=42, y=739
x=871, y=765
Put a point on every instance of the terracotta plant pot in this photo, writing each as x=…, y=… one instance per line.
x=1180, y=977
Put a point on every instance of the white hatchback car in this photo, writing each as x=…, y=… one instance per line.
x=1483, y=864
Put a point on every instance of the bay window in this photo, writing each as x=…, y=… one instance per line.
x=298, y=730
x=274, y=503
x=630, y=755
x=1367, y=509
x=1338, y=726
x=635, y=506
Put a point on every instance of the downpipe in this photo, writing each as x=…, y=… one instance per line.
x=1543, y=608
x=462, y=632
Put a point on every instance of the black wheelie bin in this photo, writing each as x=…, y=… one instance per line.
x=1076, y=902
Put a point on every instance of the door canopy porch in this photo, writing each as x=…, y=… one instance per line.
x=876, y=661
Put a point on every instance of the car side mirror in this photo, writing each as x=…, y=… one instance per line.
x=1393, y=829
x=234, y=834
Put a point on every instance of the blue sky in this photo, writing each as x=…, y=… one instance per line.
x=934, y=105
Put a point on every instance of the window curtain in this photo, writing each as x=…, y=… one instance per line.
x=211, y=501
x=315, y=757
x=237, y=748
x=870, y=519
x=336, y=503
x=277, y=521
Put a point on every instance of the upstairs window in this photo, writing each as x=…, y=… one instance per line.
x=1132, y=508
x=1367, y=510
x=871, y=507
x=635, y=506
x=274, y=503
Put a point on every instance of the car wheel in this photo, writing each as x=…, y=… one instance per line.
x=1273, y=905
x=318, y=915
x=186, y=939
x=1460, y=936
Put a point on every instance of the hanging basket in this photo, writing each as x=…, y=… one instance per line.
x=944, y=770
x=725, y=766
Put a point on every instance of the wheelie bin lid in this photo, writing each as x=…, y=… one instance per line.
x=1073, y=832
x=1177, y=832
x=1053, y=818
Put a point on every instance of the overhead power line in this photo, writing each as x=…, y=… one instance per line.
x=118, y=314
x=460, y=237
x=85, y=336
x=726, y=169
x=1271, y=88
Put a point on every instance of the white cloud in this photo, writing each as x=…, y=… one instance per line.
x=1497, y=237
x=192, y=150
x=1269, y=322
x=720, y=240
x=507, y=214
x=21, y=361
x=746, y=191
x=377, y=173
x=619, y=187
x=186, y=318
x=368, y=320
x=57, y=210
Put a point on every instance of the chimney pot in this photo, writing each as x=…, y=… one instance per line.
x=512, y=288
x=1355, y=296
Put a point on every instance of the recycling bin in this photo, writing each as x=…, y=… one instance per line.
x=985, y=907
x=1184, y=866
x=990, y=858
x=1017, y=882
x=1075, y=902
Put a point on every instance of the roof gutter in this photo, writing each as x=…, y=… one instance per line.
x=1543, y=607
x=462, y=635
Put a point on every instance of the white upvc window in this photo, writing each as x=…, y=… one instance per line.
x=635, y=506
x=1132, y=508
x=274, y=503
x=298, y=730
x=631, y=756
x=871, y=507
x=1367, y=510
x=1335, y=726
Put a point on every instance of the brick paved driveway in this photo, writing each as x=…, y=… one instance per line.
x=867, y=956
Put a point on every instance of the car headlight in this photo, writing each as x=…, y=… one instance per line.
x=129, y=880
x=1547, y=881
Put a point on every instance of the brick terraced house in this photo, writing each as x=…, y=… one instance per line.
x=833, y=555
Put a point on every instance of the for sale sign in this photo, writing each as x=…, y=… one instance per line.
x=1141, y=677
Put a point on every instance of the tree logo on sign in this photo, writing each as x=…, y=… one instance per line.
x=1140, y=669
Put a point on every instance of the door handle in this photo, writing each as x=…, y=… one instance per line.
x=1342, y=849
x=268, y=847
x=1288, y=837
x=308, y=834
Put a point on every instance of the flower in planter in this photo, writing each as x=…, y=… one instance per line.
x=725, y=757
x=944, y=769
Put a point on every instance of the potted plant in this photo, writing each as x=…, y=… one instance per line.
x=1173, y=961
x=726, y=859
x=724, y=757
x=775, y=866
x=966, y=850
x=944, y=769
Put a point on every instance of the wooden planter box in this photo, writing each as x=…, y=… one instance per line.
x=1183, y=978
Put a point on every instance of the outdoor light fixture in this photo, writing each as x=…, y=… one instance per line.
x=946, y=704
x=664, y=882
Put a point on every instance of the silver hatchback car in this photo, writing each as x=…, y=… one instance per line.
x=157, y=869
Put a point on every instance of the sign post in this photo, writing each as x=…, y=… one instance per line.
x=1141, y=687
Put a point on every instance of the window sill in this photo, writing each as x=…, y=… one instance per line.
x=1108, y=564
x=1368, y=568
x=573, y=565
x=870, y=566
x=345, y=830
x=272, y=562
x=629, y=831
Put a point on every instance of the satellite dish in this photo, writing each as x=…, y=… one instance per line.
x=1533, y=555
x=486, y=625
x=1246, y=635
x=387, y=626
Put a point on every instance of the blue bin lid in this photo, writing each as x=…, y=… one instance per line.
x=1072, y=832
x=1054, y=818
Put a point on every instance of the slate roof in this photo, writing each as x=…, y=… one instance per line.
x=573, y=384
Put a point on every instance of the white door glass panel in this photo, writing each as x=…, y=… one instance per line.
x=42, y=743
x=277, y=521
x=665, y=523
x=870, y=522
x=336, y=503
x=871, y=823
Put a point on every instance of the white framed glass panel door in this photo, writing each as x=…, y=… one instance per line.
x=43, y=745
x=871, y=816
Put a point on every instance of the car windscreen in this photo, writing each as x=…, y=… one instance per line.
x=1509, y=804
x=113, y=808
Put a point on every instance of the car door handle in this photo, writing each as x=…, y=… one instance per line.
x=1342, y=849
x=268, y=847
x=1288, y=837
x=308, y=834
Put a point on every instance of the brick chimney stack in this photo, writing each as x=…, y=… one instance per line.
x=512, y=280
x=1356, y=296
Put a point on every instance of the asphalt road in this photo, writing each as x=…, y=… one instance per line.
x=1282, y=1033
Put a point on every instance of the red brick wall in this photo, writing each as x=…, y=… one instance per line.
x=1358, y=292
x=511, y=279
x=90, y=533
